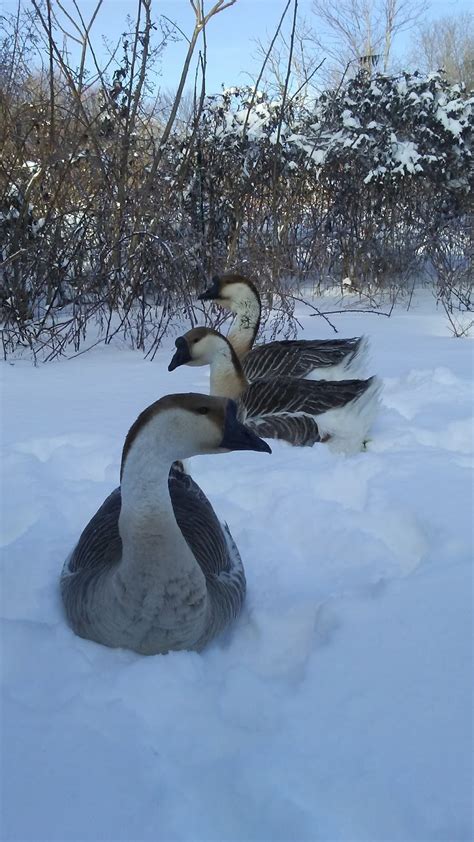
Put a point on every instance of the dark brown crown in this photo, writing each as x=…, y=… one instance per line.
x=189, y=401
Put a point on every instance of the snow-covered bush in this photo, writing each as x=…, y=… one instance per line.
x=353, y=187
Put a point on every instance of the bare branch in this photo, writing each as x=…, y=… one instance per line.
x=262, y=69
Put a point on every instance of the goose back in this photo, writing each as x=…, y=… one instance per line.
x=302, y=358
x=292, y=409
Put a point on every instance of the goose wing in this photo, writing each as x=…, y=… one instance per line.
x=100, y=544
x=288, y=408
x=208, y=540
x=211, y=544
x=299, y=357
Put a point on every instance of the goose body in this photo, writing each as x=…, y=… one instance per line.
x=302, y=412
x=331, y=359
x=154, y=570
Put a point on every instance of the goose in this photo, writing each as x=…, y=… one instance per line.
x=315, y=359
x=302, y=412
x=154, y=570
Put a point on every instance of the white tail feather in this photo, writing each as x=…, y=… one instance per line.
x=352, y=367
x=348, y=426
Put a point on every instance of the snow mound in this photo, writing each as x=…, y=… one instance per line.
x=338, y=706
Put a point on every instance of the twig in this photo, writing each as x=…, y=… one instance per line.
x=259, y=77
x=200, y=23
x=12, y=257
x=307, y=80
x=350, y=310
x=317, y=312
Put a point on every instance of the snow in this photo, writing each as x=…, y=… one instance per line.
x=349, y=121
x=37, y=226
x=338, y=707
x=406, y=153
x=454, y=126
x=376, y=90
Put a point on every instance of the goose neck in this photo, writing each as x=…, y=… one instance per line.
x=245, y=326
x=226, y=375
x=152, y=540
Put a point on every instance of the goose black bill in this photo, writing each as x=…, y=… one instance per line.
x=181, y=355
x=212, y=292
x=239, y=437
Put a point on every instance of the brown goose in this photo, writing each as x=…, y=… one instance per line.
x=154, y=569
x=302, y=412
x=327, y=359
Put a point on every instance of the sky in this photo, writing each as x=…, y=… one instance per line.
x=231, y=36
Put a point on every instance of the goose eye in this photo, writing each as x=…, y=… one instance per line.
x=203, y=410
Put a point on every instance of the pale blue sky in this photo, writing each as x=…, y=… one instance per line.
x=231, y=35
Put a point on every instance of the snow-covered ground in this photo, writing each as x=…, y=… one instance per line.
x=338, y=707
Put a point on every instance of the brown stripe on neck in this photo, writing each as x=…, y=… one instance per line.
x=138, y=425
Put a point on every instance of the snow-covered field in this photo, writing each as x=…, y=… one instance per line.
x=338, y=707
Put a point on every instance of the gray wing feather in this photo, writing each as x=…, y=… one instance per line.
x=100, y=542
x=288, y=409
x=299, y=357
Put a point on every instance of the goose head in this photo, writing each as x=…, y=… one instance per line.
x=201, y=346
x=231, y=292
x=183, y=425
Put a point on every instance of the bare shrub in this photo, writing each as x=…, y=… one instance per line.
x=116, y=205
x=452, y=257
